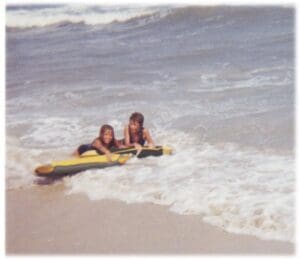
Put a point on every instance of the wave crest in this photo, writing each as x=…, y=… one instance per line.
x=24, y=18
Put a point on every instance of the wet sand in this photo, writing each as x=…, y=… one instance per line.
x=43, y=220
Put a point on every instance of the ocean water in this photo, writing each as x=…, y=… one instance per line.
x=214, y=83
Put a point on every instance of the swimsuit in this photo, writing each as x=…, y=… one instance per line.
x=141, y=139
x=87, y=147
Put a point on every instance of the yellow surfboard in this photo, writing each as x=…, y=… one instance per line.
x=92, y=160
x=84, y=162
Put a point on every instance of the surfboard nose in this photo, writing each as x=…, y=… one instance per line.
x=43, y=170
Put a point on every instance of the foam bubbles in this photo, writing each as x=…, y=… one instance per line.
x=50, y=132
x=20, y=163
x=216, y=96
x=242, y=191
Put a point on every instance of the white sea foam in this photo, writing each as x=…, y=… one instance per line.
x=20, y=163
x=59, y=94
x=53, y=132
x=90, y=15
x=242, y=191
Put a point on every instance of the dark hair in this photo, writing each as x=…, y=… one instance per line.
x=137, y=117
x=102, y=131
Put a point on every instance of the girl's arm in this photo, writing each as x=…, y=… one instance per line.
x=127, y=141
x=75, y=153
x=126, y=137
x=119, y=144
x=97, y=144
x=148, y=138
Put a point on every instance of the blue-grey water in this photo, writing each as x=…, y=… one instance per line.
x=214, y=83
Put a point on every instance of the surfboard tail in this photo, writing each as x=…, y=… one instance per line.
x=167, y=150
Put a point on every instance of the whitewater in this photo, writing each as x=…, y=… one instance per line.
x=214, y=83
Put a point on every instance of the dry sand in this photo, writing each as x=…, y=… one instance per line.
x=43, y=220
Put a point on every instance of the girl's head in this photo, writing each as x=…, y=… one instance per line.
x=107, y=135
x=136, y=122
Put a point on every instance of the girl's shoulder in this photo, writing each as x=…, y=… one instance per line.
x=145, y=130
x=145, y=133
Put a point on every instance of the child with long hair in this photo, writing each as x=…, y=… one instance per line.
x=136, y=134
x=103, y=143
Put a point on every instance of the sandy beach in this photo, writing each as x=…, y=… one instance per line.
x=43, y=220
x=214, y=83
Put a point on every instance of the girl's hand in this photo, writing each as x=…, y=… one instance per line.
x=148, y=138
x=138, y=147
x=108, y=156
x=151, y=146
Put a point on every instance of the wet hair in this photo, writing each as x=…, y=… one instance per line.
x=102, y=131
x=137, y=117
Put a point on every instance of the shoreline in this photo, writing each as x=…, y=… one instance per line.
x=43, y=220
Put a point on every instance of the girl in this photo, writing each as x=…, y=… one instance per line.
x=103, y=143
x=135, y=134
